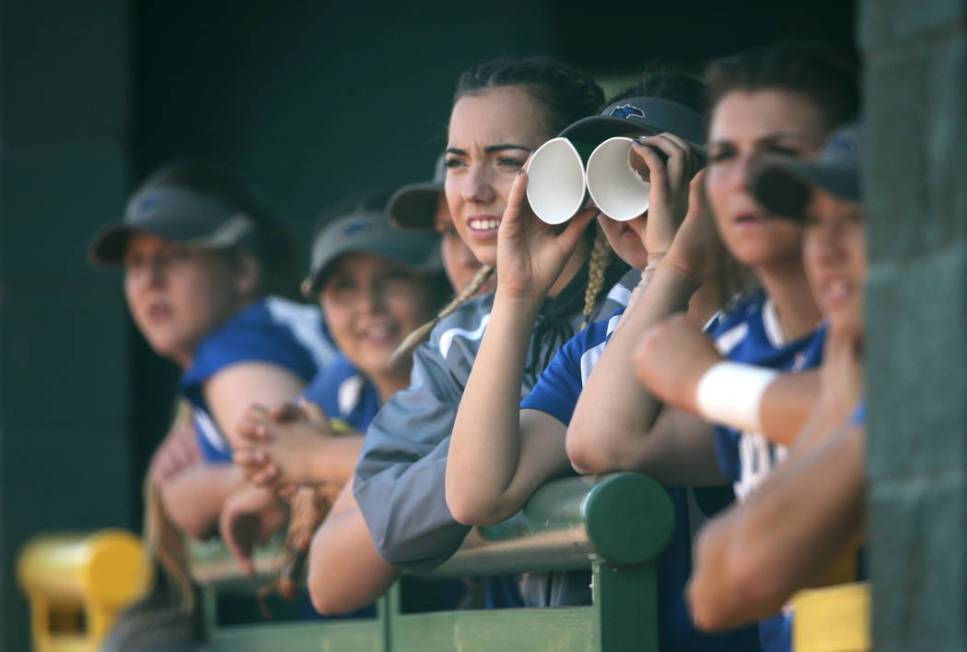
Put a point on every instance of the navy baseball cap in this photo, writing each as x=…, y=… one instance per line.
x=414, y=205
x=175, y=214
x=369, y=232
x=650, y=115
x=783, y=186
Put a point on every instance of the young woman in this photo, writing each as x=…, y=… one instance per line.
x=502, y=111
x=201, y=258
x=790, y=530
x=503, y=448
x=785, y=100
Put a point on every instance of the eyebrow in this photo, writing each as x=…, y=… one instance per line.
x=490, y=149
x=768, y=138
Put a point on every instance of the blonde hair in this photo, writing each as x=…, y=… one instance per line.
x=163, y=542
x=598, y=262
x=417, y=336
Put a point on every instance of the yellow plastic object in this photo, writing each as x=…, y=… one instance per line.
x=77, y=584
x=832, y=619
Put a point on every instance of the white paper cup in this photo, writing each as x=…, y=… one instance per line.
x=617, y=190
x=555, y=181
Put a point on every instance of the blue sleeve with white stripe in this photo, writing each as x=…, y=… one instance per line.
x=272, y=331
x=559, y=385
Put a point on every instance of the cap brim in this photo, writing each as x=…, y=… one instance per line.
x=784, y=188
x=414, y=206
x=110, y=244
x=599, y=128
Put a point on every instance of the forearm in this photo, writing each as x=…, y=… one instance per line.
x=485, y=443
x=335, y=459
x=749, y=562
x=345, y=571
x=613, y=405
x=194, y=498
x=787, y=404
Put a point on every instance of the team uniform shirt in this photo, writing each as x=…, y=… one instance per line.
x=399, y=482
x=556, y=393
x=750, y=333
x=348, y=398
x=272, y=330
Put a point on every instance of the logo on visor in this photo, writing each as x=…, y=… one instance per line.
x=147, y=204
x=627, y=111
x=355, y=227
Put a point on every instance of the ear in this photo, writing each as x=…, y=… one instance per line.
x=248, y=277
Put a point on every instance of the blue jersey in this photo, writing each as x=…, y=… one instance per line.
x=274, y=331
x=556, y=393
x=750, y=333
x=346, y=396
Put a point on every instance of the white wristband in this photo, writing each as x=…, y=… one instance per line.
x=729, y=394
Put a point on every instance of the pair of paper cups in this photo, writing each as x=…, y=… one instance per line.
x=559, y=181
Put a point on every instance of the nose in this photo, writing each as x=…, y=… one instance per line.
x=151, y=273
x=372, y=299
x=741, y=169
x=828, y=241
x=478, y=185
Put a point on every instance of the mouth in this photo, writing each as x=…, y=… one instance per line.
x=483, y=226
x=158, y=312
x=380, y=334
x=835, y=292
x=748, y=219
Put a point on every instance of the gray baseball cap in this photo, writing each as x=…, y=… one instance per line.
x=370, y=232
x=414, y=205
x=650, y=115
x=175, y=214
x=784, y=185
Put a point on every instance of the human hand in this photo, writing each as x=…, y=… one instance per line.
x=671, y=358
x=530, y=253
x=177, y=452
x=669, y=164
x=250, y=516
x=696, y=246
x=281, y=452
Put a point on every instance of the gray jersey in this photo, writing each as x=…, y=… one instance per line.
x=399, y=482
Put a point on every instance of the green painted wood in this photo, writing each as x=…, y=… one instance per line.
x=626, y=606
x=558, y=630
x=628, y=518
x=343, y=636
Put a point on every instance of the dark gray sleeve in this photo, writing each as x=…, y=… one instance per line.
x=399, y=481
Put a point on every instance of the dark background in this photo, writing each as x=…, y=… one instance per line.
x=311, y=101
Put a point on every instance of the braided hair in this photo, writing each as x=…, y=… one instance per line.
x=598, y=263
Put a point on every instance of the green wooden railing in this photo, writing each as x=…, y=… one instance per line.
x=615, y=525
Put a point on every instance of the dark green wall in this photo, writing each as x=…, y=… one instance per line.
x=916, y=168
x=64, y=442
